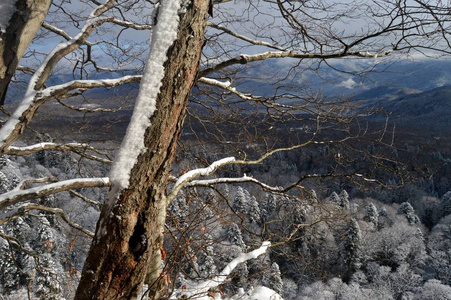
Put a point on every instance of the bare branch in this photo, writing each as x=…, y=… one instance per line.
x=244, y=58
x=245, y=38
x=17, y=196
x=244, y=179
x=78, y=148
x=25, y=112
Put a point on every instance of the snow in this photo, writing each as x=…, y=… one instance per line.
x=15, y=196
x=203, y=171
x=223, y=84
x=163, y=36
x=199, y=290
x=260, y=293
x=7, y=8
x=9, y=126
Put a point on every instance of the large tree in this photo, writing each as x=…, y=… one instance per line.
x=127, y=243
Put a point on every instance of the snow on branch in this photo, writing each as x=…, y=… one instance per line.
x=227, y=86
x=245, y=178
x=60, y=89
x=189, y=176
x=94, y=20
x=56, y=30
x=244, y=58
x=79, y=148
x=17, y=196
x=24, y=209
x=33, y=99
x=215, y=82
x=199, y=290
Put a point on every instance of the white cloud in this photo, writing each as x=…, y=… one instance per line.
x=349, y=84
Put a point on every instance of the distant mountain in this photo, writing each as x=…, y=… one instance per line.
x=385, y=93
x=430, y=110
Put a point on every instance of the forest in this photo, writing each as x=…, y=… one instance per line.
x=247, y=150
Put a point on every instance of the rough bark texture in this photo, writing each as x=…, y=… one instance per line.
x=121, y=258
x=23, y=26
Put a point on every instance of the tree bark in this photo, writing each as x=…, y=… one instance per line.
x=23, y=26
x=121, y=258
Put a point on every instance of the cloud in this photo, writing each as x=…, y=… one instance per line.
x=349, y=84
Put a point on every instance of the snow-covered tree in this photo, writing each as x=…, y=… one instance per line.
x=235, y=236
x=371, y=214
x=273, y=279
x=344, y=200
x=352, y=252
x=433, y=289
x=446, y=204
x=407, y=210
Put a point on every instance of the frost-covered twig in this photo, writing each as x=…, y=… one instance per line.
x=33, y=99
x=245, y=58
x=23, y=210
x=244, y=38
x=222, y=180
x=189, y=176
x=79, y=148
x=16, y=196
x=85, y=199
x=227, y=86
x=88, y=110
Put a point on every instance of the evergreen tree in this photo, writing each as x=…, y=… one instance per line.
x=4, y=183
x=240, y=201
x=446, y=204
x=371, y=214
x=3, y=161
x=335, y=198
x=9, y=274
x=253, y=211
x=235, y=236
x=205, y=262
x=273, y=280
x=246, y=204
x=407, y=210
x=352, y=254
x=344, y=200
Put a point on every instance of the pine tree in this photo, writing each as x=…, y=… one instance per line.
x=371, y=214
x=253, y=210
x=246, y=204
x=274, y=280
x=334, y=198
x=240, y=200
x=344, y=200
x=206, y=263
x=352, y=254
x=47, y=281
x=446, y=204
x=4, y=183
x=407, y=210
x=235, y=236
x=3, y=161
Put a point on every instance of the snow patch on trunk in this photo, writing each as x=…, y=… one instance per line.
x=163, y=36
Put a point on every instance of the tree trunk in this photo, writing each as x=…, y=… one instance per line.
x=23, y=26
x=120, y=258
